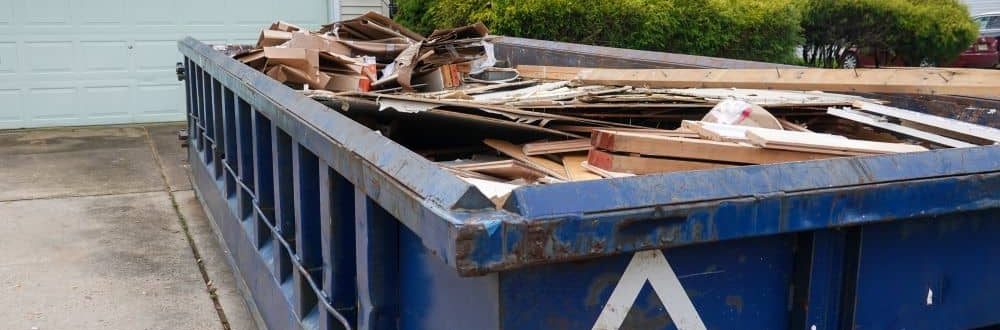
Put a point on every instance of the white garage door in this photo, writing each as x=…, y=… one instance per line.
x=85, y=62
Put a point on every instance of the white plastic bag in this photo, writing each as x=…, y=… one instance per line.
x=742, y=113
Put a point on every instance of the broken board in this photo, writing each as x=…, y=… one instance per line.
x=782, y=141
x=673, y=147
x=509, y=169
x=880, y=122
x=644, y=165
x=542, y=164
x=940, y=125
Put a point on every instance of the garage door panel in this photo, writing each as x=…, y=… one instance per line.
x=100, y=11
x=81, y=62
x=105, y=55
x=203, y=12
x=154, y=12
x=159, y=102
x=302, y=12
x=8, y=57
x=106, y=102
x=48, y=56
x=6, y=12
x=10, y=103
x=51, y=104
x=47, y=12
x=254, y=12
x=156, y=55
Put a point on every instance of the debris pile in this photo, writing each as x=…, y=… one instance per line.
x=370, y=51
x=501, y=128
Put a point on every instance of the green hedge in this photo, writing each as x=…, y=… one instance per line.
x=935, y=30
x=743, y=29
x=746, y=29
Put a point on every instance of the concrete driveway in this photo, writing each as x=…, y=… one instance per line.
x=99, y=229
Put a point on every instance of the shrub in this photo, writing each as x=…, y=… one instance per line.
x=937, y=30
x=414, y=15
x=746, y=29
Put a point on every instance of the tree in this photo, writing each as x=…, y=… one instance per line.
x=914, y=30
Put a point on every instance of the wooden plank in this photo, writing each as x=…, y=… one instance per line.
x=542, y=164
x=575, y=170
x=674, y=147
x=949, y=127
x=644, y=165
x=879, y=122
x=509, y=169
x=556, y=147
x=547, y=72
x=780, y=140
x=770, y=98
x=967, y=82
x=737, y=133
x=605, y=173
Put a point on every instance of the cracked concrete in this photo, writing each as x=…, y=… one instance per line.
x=91, y=234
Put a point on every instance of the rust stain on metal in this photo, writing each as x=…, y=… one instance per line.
x=736, y=302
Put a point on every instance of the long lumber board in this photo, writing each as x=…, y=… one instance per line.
x=575, y=169
x=556, y=147
x=644, y=165
x=870, y=120
x=737, y=133
x=548, y=72
x=967, y=82
x=779, y=140
x=953, y=128
x=542, y=164
x=665, y=146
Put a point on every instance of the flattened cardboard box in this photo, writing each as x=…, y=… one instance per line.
x=331, y=62
x=317, y=42
x=284, y=26
x=344, y=83
x=305, y=60
x=270, y=38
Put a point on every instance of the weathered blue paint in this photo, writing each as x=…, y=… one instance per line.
x=958, y=262
x=434, y=296
x=333, y=226
x=740, y=284
x=378, y=267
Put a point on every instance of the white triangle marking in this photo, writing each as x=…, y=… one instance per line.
x=649, y=266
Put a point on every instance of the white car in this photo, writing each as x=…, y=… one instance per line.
x=989, y=24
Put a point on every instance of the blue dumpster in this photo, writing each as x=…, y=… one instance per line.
x=332, y=226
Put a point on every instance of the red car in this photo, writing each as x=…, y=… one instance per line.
x=984, y=53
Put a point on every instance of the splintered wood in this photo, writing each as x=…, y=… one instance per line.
x=541, y=164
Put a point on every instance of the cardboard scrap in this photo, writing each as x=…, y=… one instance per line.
x=284, y=26
x=270, y=38
x=349, y=55
x=317, y=42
